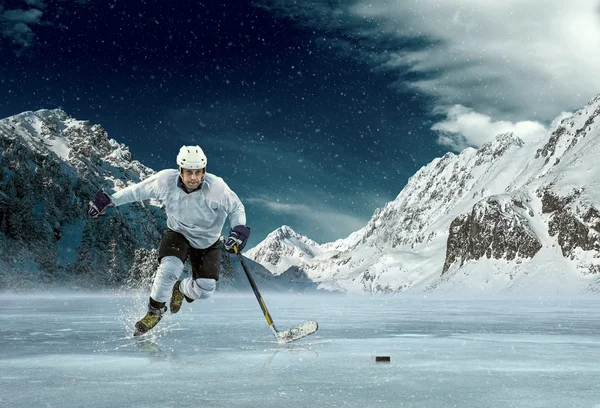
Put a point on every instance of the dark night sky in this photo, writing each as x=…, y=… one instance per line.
x=291, y=112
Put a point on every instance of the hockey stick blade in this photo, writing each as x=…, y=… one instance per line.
x=304, y=329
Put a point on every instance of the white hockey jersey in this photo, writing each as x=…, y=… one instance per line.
x=199, y=215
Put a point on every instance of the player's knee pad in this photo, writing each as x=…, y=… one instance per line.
x=168, y=272
x=202, y=288
x=170, y=267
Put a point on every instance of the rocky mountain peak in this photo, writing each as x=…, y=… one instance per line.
x=83, y=145
x=499, y=145
x=283, y=232
x=570, y=131
x=284, y=243
x=285, y=235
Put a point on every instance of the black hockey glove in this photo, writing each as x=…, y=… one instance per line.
x=99, y=204
x=237, y=236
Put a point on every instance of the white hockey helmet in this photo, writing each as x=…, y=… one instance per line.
x=191, y=157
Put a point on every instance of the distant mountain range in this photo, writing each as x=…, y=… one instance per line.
x=507, y=217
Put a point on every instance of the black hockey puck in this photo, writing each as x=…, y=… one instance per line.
x=382, y=359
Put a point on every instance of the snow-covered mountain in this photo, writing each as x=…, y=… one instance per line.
x=50, y=167
x=51, y=164
x=508, y=216
x=283, y=248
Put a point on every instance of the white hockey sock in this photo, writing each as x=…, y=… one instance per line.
x=168, y=272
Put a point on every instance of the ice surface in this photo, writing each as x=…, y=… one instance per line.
x=76, y=351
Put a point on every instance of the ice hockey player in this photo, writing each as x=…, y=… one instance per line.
x=197, y=204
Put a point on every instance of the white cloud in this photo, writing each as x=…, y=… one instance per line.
x=512, y=58
x=282, y=208
x=464, y=127
x=31, y=16
x=15, y=25
x=516, y=61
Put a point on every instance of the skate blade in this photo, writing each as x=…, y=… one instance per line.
x=138, y=332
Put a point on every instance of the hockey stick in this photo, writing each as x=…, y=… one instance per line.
x=304, y=329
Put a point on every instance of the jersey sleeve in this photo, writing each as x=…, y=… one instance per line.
x=235, y=209
x=152, y=187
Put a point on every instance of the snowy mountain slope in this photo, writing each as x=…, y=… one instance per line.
x=51, y=164
x=508, y=216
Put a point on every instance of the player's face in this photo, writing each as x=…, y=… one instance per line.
x=192, y=178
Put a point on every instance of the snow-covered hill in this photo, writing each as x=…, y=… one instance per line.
x=508, y=216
